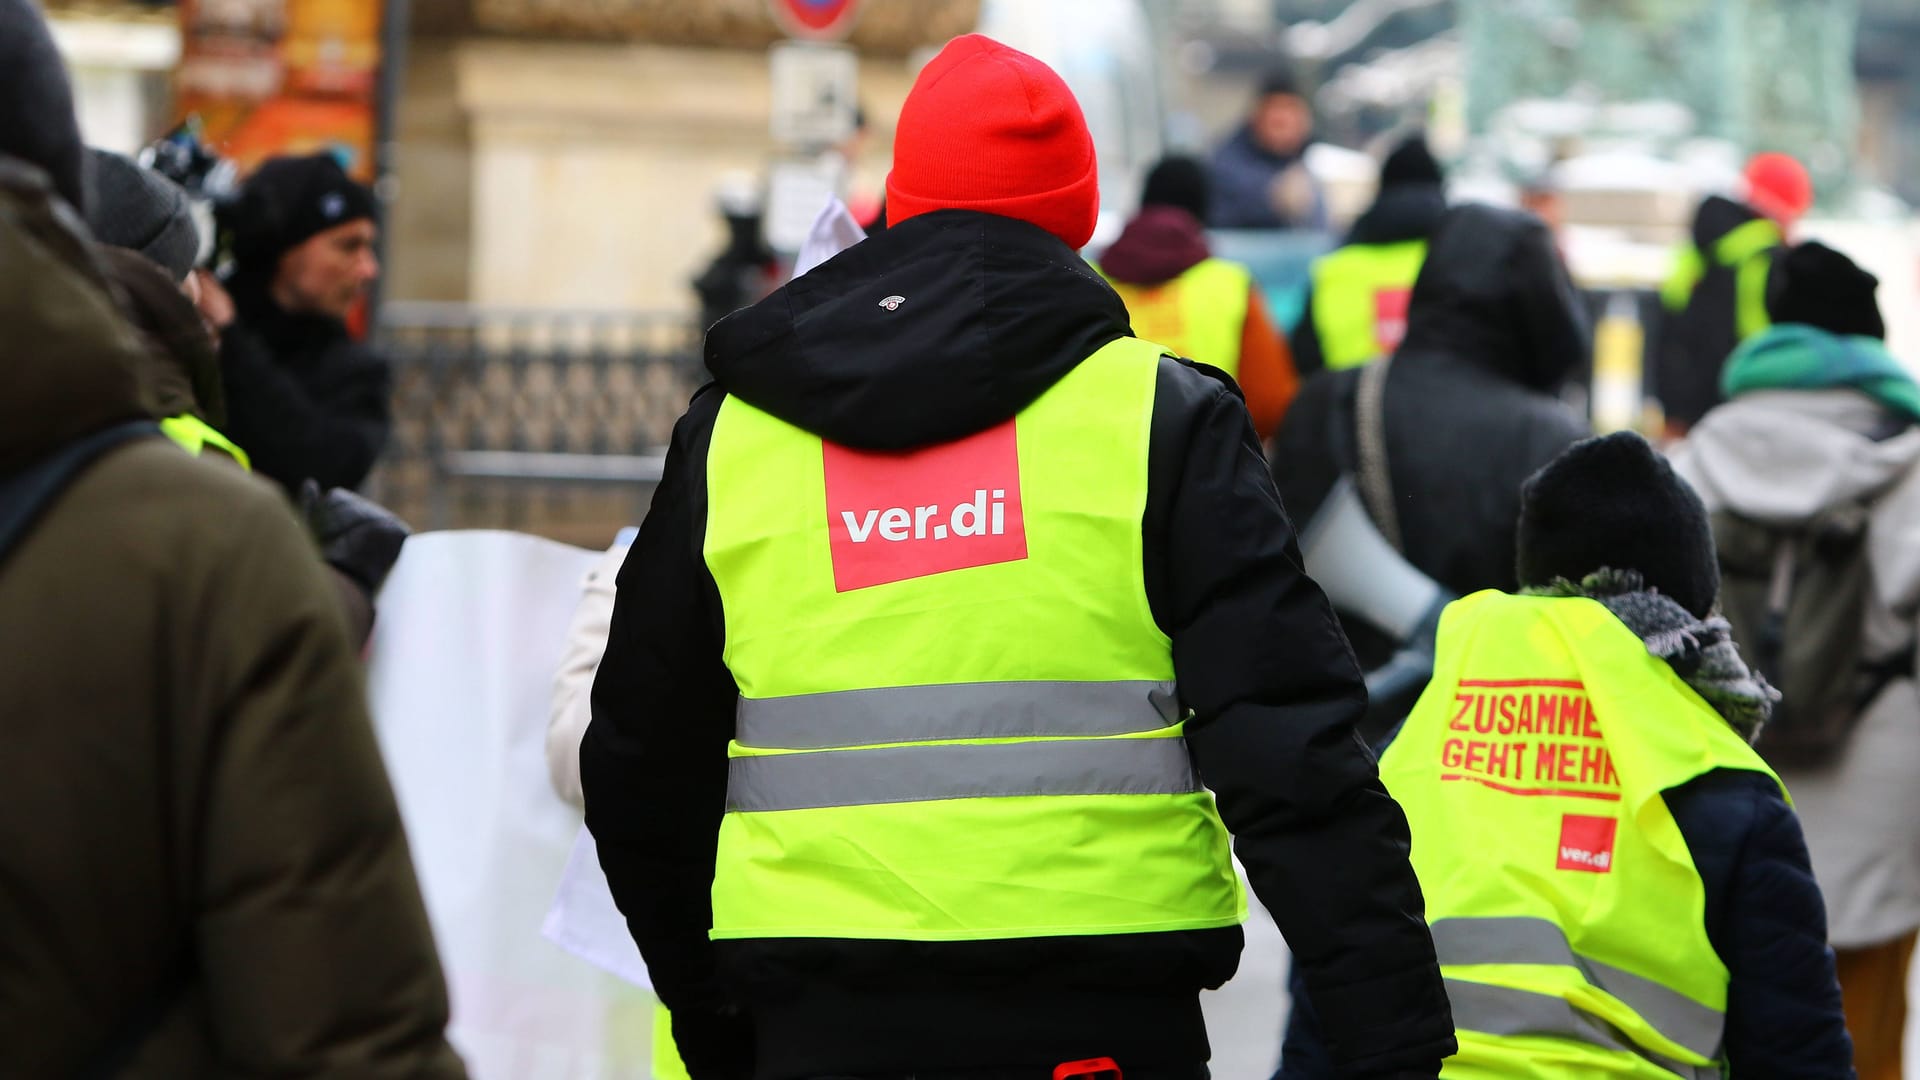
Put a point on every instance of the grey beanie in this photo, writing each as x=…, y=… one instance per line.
x=138, y=209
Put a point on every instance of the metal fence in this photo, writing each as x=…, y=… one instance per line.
x=552, y=422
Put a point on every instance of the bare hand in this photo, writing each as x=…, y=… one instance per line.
x=1292, y=194
x=216, y=307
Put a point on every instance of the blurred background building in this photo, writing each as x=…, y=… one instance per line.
x=557, y=172
x=540, y=144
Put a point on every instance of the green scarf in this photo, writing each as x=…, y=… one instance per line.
x=1793, y=356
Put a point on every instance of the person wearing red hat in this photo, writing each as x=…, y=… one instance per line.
x=963, y=629
x=1716, y=296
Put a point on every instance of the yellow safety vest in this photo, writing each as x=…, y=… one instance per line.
x=1565, y=907
x=1360, y=296
x=195, y=435
x=1200, y=315
x=957, y=717
x=1743, y=250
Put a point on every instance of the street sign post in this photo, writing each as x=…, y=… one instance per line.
x=815, y=90
x=815, y=20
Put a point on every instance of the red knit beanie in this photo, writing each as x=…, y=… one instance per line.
x=992, y=129
x=1778, y=186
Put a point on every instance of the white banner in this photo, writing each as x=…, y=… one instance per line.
x=470, y=633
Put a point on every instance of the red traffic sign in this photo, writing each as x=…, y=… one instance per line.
x=815, y=20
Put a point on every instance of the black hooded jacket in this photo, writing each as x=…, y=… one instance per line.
x=997, y=312
x=1494, y=327
x=303, y=398
x=1400, y=213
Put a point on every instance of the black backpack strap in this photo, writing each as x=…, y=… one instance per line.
x=24, y=495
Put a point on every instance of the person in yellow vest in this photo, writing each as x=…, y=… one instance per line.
x=1716, y=294
x=1201, y=307
x=1357, y=295
x=963, y=630
x=1616, y=883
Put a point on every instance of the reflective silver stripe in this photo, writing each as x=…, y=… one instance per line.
x=987, y=710
x=960, y=771
x=1503, y=1010
x=1523, y=940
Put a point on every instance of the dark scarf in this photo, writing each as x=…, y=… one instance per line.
x=1701, y=652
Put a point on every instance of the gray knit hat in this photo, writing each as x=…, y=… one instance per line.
x=138, y=209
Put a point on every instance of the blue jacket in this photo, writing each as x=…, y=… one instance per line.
x=1766, y=919
x=1243, y=174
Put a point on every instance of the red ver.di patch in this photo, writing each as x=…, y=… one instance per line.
x=895, y=516
x=1586, y=843
x=1390, y=317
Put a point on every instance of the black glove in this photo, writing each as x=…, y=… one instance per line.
x=357, y=536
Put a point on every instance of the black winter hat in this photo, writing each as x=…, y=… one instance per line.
x=37, y=122
x=1411, y=163
x=140, y=210
x=1614, y=502
x=1280, y=79
x=1818, y=286
x=1180, y=182
x=289, y=200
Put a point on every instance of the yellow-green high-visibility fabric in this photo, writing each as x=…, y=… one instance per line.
x=1360, y=295
x=666, y=1063
x=195, y=435
x=1744, y=250
x=957, y=717
x=1200, y=314
x=1566, y=910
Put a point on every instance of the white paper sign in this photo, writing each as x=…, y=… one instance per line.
x=470, y=632
x=833, y=232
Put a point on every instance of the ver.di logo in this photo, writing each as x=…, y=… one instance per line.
x=1586, y=843
x=895, y=516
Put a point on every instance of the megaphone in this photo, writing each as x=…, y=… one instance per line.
x=1364, y=577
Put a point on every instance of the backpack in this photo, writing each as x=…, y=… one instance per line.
x=1797, y=598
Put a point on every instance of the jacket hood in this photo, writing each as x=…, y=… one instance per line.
x=1781, y=457
x=939, y=327
x=186, y=367
x=37, y=122
x=1718, y=216
x=1159, y=245
x=1493, y=293
x=72, y=364
x=1401, y=212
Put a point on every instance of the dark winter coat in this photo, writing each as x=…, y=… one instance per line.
x=1243, y=173
x=1764, y=918
x=1695, y=341
x=1011, y=311
x=1400, y=213
x=1493, y=328
x=184, y=371
x=303, y=398
x=205, y=873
